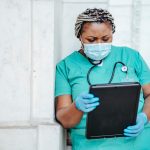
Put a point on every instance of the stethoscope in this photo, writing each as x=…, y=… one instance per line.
x=97, y=63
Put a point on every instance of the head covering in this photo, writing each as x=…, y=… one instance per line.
x=93, y=15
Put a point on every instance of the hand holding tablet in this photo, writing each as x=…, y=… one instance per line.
x=117, y=111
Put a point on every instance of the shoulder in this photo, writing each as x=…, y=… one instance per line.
x=63, y=62
x=66, y=64
x=125, y=51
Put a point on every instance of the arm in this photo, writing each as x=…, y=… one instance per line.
x=66, y=111
x=69, y=114
x=146, y=91
x=142, y=118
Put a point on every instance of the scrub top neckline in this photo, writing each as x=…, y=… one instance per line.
x=82, y=59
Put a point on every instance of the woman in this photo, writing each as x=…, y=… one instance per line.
x=95, y=28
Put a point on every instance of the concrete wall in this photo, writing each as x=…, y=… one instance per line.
x=34, y=36
x=27, y=76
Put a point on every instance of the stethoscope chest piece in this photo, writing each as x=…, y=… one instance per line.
x=124, y=68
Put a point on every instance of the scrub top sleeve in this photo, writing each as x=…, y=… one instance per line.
x=62, y=85
x=142, y=70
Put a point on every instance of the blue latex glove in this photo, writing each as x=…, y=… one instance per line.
x=86, y=102
x=135, y=130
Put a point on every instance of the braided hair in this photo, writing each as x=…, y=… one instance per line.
x=93, y=15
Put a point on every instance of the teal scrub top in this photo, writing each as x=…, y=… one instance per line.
x=71, y=78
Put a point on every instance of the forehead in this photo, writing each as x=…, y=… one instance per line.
x=96, y=29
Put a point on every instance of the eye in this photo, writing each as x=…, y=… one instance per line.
x=105, y=39
x=91, y=40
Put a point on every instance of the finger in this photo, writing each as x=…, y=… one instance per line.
x=133, y=131
x=87, y=95
x=135, y=127
x=93, y=100
x=131, y=135
x=92, y=105
x=90, y=109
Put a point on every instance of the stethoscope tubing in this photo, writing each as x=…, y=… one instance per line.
x=113, y=72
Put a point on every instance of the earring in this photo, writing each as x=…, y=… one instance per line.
x=82, y=45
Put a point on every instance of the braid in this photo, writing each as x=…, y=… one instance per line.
x=93, y=15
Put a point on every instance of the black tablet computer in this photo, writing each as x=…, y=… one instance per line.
x=117, y=109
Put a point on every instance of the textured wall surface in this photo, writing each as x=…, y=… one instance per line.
x=27, y=76
x=34, y=36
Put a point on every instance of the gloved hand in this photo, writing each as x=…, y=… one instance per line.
x=86, y=102
x=135, y=130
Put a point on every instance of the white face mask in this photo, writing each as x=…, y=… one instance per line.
x=97, y=51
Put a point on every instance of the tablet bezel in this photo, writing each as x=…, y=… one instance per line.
x=110, y=86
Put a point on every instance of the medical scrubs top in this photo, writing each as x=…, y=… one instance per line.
x=71, y=78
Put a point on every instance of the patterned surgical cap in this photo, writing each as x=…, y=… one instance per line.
x=93, y=15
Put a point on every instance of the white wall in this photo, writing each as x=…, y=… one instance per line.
x=27, y=76
x=34, y=35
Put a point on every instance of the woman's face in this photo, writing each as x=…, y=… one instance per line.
x=96, y=33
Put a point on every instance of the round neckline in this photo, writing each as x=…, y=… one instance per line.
x=82, y=59
x=81, y=55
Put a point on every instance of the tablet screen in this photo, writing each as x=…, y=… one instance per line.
x=117, y=109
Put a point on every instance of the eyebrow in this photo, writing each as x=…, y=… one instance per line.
x=91, y=36
x=102, y=36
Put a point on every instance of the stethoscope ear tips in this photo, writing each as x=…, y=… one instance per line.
x=124, y=68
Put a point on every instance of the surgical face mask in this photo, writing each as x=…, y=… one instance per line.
x=97, y=51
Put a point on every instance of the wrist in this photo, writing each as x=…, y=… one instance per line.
x=76, y=105
x=144, y=116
